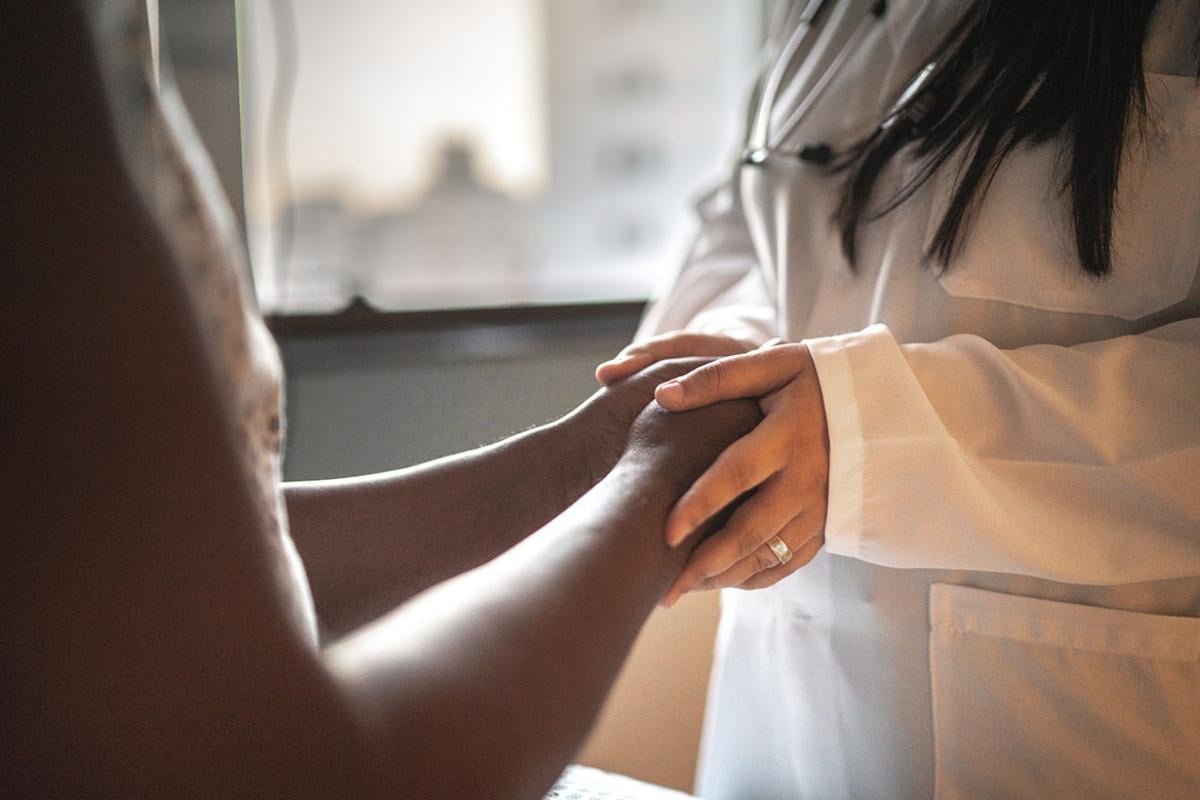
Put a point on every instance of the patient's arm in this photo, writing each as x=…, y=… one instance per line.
x=371, y=542
x=149, y=649
x=149, y=644
x=486, y=685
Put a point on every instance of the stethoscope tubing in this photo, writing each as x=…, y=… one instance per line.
x=760, y=128
x=827, y=76
x=761, y=146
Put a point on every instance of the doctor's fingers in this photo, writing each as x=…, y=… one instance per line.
x=801, y=557
x=741, y=467
x=752, y=374
x=679, y=344
x=740, y=542
x=764, y=567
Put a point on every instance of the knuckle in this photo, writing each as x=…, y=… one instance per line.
x=804, y=479
x=707, y=379
x=716, y=376
x=747, y=543
x=762, y=560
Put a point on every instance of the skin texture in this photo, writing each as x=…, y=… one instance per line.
x=490, y=682
x=784, y=462
x=372, y=542
x=150, y=649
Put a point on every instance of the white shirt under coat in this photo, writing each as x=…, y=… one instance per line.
x=1008, y=602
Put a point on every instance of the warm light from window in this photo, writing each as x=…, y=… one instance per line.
x=467, y=153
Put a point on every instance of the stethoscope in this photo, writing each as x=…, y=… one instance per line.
x=761, y=146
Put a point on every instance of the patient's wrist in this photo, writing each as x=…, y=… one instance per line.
x=656, y=468
x=680, y=446
x=565, y=444
x=655, y=474
x=637, y=498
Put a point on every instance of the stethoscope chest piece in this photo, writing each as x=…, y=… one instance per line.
x=818, y=154
x=755, y=156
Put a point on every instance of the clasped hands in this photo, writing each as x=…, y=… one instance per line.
x=781, y=466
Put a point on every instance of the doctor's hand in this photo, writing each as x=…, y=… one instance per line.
x=677, y=344
x=784, y=461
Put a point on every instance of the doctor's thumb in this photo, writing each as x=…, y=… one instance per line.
x=700, y=387
x=671, y=395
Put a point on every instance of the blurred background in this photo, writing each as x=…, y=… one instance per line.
x=463, y=154
x=453, y=212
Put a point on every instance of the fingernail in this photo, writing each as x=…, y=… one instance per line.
x=677, y=528
x=608, y=368
x=673, y=594
x=623, y=361
x=669, y=392
x=677, y=534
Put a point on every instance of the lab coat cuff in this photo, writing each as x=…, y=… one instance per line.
x=835, y=359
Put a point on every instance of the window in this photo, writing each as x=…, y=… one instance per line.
x=466, y=153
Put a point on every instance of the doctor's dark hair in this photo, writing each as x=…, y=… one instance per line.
x=1015, y=73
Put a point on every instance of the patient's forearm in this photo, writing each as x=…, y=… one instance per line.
x=485, y=686
x=369, y=543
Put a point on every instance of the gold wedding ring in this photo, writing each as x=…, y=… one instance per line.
x=780, y=549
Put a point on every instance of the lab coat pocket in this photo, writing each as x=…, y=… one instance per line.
x=1034, y=698
x=1020, y=247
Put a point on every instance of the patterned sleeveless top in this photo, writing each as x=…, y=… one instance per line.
x=170, y=166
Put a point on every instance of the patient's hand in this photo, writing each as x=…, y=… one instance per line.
x=600, y=427
x=672, y=450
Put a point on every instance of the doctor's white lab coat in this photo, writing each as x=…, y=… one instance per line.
x=1008, y=602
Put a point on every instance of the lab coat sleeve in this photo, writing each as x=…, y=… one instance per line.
x=720, y=287
x=1075, y=464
